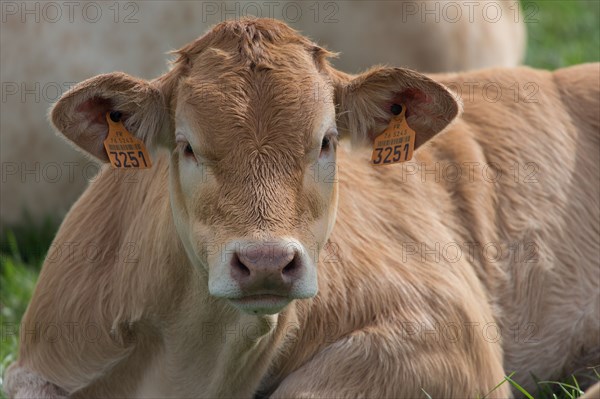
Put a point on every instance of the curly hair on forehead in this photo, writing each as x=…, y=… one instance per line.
x=249, y=39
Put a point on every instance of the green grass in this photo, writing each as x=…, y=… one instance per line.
x=20, y=262
x=560, y=33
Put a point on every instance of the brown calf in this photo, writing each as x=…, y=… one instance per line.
x=440, y=274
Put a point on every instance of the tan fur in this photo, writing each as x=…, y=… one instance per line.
x=593, y=392
x=386, y=322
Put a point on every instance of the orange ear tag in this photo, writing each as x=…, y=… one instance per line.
x=123, y=149
x=396, y=143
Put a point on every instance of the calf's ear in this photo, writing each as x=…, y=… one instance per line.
x=80, y=114
x=365, y=104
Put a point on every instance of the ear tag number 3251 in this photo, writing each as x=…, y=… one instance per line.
x=123, y=149
x=396, y=143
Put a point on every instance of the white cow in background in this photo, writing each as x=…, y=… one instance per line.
x=47, y=46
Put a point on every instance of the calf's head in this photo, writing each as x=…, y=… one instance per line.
x=251, y=114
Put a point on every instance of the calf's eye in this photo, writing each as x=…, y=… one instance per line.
x=325, y=143
x=188, y=150
x=184, y=144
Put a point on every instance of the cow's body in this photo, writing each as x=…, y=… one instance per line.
x=398, y=310
x=135, y=36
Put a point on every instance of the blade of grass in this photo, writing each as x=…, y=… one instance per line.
x=577, y=385
x=13, y=246
x=499, y=385
x=596, y=372
x=564, y=384
x=520, y=388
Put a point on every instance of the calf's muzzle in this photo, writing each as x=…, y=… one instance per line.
x=267, y=268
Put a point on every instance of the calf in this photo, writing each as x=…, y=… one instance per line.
x=218, y=271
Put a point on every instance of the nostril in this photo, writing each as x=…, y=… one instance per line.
x=290, y=268
x=238, y=266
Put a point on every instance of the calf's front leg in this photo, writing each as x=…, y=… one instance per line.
x=373, y=363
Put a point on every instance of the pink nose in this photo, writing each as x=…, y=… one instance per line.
x=266, y=268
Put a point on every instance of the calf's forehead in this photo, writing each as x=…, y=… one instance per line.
x=279, y=106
